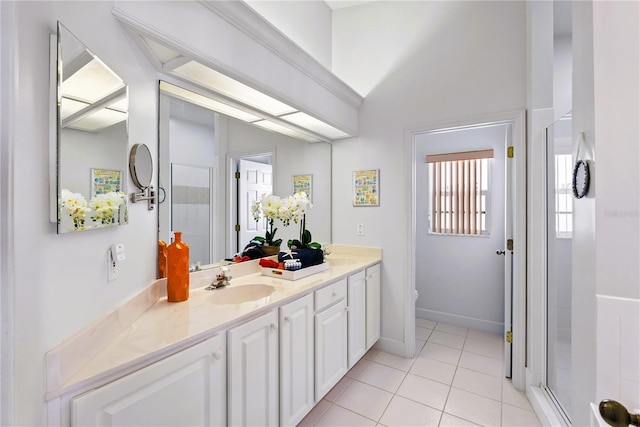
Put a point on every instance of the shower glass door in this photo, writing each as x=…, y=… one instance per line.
x=559, y=232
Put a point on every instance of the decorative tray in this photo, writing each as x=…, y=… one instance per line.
x=294, y=274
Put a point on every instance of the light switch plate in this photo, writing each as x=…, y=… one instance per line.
x=359, y=229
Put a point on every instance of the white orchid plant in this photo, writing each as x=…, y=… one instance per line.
x=292, y=208
x=106, y=205
x=74, y=205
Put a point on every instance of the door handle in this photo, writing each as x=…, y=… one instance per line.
x=499, y=252
x=615, y=414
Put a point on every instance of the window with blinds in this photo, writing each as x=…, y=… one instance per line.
x=459, y=188
x=564, y=195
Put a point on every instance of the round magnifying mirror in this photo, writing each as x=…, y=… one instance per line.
x=141, y=165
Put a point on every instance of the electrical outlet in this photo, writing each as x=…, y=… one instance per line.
x=113, y=269
x=359, y=229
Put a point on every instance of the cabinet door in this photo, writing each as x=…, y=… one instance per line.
x=188, y=388
x=356, y=300
x=331, y=347
x=296, y=360
x=373, y=305
x=253, y=372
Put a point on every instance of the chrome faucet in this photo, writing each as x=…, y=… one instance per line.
x=222, y=279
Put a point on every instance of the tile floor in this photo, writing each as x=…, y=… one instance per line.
x=455, y=379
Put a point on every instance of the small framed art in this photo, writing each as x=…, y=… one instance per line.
x=366, y=188
x=303, y=183
x=104, y=181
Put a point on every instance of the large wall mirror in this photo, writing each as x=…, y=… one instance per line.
x=200, y=151
x=91, y=139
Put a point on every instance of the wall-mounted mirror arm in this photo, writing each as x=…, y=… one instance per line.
x=148, y=194
x=141, y=169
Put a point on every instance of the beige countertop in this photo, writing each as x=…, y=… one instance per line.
x=164, y=328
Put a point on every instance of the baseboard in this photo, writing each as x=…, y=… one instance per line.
x=464, y=321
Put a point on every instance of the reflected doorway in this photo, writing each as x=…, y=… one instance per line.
x=559, y=262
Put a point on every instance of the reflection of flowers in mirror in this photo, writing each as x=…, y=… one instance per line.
x=105, y=206
x=74, y=205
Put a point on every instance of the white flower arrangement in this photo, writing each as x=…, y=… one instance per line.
x=74, y=205
x=105, y=206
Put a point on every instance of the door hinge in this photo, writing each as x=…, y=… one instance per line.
x=237, y=227
x=237, y=175
x=509, y=337
x=510, y=152
x=509, y=244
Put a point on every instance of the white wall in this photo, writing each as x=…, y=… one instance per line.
x=460, y=279
x=453, y=69
x=307, y=23
x=562, y=71
x=60, y=281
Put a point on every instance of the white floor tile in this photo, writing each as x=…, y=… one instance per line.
x=425, y=391
x=444, y=338
x=365, y=400
x=515, y=417
x=485, y=336
x=514, y=397
x=479, y=363
x=315, y=414
x=473, y=407
x=338, y=389
x=371, y=354
x=423, y=333
x=424, y=323
x=419, y=345
x=451, y=329
x=382, y=376
x=440, y=352
x=485, y=348
x=479, y=383
x=405, y=412
x=393, y=361
x=449, y=420
x=358, y=368
x=433, y=370
x=337, y=416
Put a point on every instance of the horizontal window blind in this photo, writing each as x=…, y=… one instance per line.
x=459, y=186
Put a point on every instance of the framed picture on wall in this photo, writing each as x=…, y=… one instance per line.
x=104, y=181
x=366, y=187
x=303, y=183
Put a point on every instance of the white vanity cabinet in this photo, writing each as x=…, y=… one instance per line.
x=252, y=361
x=373, y=304
x=296, y=360
x=356, y=301
x=330, y=337
x=187, y=388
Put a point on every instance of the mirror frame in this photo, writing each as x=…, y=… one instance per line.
x=140, y=153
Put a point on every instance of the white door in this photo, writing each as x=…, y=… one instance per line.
x=253, y=372
x=188, y=388
x=331, y=348
x=356, y=300
x=296, y=360
x=255, y=179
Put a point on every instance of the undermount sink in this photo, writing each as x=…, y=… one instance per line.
x=240, y=294
x=338, y=261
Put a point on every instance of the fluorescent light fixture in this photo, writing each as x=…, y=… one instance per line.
x=70, y=106
x=99, y=120
x=207, y=102
x=308, y=122
x=91, y=82
x=218, y=82
x=285, y=130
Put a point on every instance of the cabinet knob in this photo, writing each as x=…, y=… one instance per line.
x=274, y=327
x=217, y=355
x=334, y=295
x=287, y=319
x=346, y=309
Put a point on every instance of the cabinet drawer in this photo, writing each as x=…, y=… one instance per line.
x=332, y=293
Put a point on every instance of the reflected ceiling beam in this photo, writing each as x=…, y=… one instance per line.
x=90, y=109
